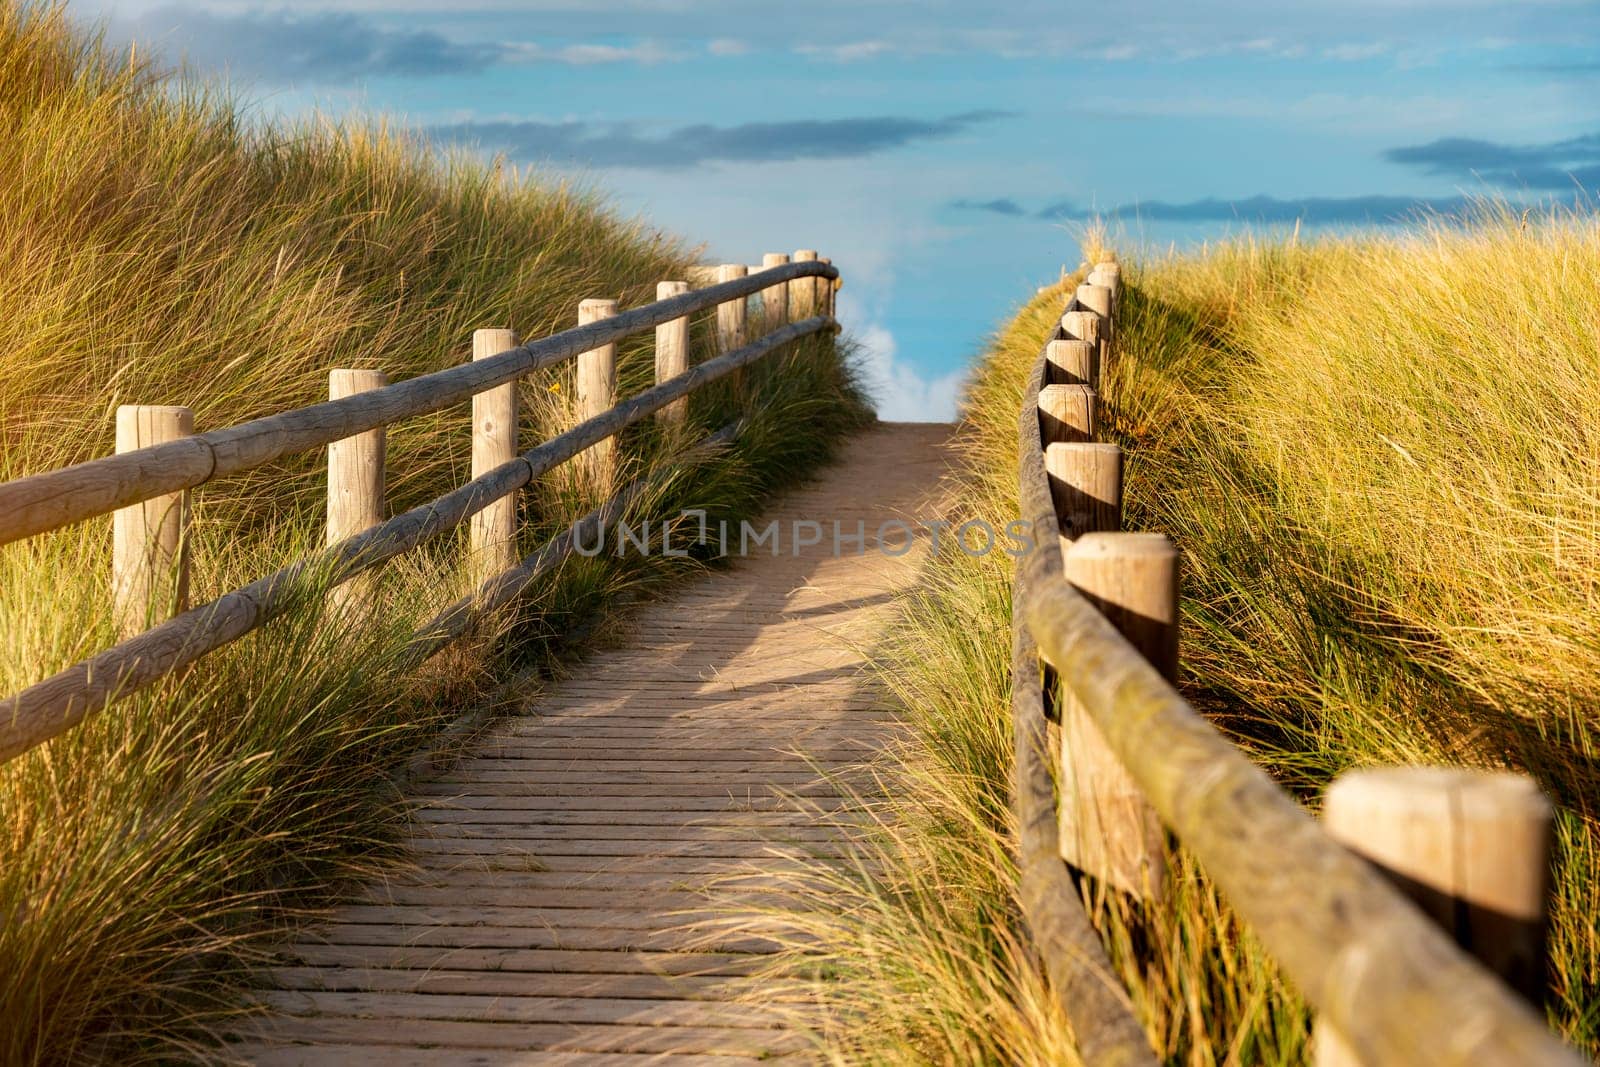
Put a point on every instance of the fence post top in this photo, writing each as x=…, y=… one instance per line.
x=774, y=259
x=1083, y=446
x=1123, y=545
x=1467, y=791
x=356, y=374
x=598, y=304
x=669, y=289
x=175, y=410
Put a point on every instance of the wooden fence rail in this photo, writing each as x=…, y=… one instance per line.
x=1098, y=610
x=58, y=498
x=59, y=702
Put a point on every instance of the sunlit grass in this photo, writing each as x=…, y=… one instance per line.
x=1379, y=457
x=155, y=247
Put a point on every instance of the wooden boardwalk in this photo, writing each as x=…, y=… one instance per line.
x=557, y=911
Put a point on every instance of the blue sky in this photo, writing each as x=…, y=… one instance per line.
x=944, y=154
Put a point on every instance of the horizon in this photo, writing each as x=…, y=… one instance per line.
x=949, y=167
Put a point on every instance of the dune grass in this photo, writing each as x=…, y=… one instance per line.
x=1378, y=456
x=156, y=247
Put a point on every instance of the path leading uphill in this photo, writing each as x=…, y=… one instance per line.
x=551, y=917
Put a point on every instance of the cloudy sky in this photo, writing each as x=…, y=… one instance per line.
x=946, y=154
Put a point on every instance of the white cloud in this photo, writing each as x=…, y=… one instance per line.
x=1354, y=53
x=903, y=393
x=849, y=52
x=728, y=46
x=584, y=55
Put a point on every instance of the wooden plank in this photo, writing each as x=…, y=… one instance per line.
x=662, y=900
x=520, y=984
x=524, y=830
x=540, y=1036
x=532, y=937
x=537, y=961
x=331, y=1054
x=523, y=1009
x=632, y=821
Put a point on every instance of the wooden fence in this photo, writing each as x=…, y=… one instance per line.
x=1411, y=917
x=145, y=485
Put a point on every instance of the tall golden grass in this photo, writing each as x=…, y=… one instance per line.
x=157, y=247
x=1378, y=455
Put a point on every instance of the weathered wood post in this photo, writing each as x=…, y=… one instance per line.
x=672, y=353
x=1471, y=848
x=1108, y=829
x=492, y=536
x=1097, y=298
x=803, y=291
x=1108, y=273
x=597, y=394
x=355, y=478
x=731, y=324
x=1083, y=325
x=150, y=540
x=1071, y=363
x=1086, y=484
x=825, y=290
x=775, y=298
x=1067, y=413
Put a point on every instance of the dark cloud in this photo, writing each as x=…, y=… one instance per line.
x=1552, y=165
x=622, y=145
x=1373, y=210
x=1347, y=210
x=1062, y=209
x=1003, y=206
x=328, y=47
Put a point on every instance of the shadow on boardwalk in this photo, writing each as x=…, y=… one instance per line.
x=550, y=913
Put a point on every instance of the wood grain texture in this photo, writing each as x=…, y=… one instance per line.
x=149, y=540
x=732, y=315
x=492, y=541
x=672, y=352
x=775, y=299
x=1471, y=848
x=615, y=910
x=596, y=392
x=1108, y=829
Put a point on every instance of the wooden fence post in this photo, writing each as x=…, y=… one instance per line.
x=150, y=540
x=597, y=394
x=1083, y=325
x=1086, y=484
x=492, y=538
x=1067, y=413
x=803, y=291
x=355, y=478
x=1108, y=829
x=824, y=290
x=672, y=353
x=1071, y=363
x=775, y=298
x=731, y=323
x=1471, y=848
x=1097, y=298
x=355, y=464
